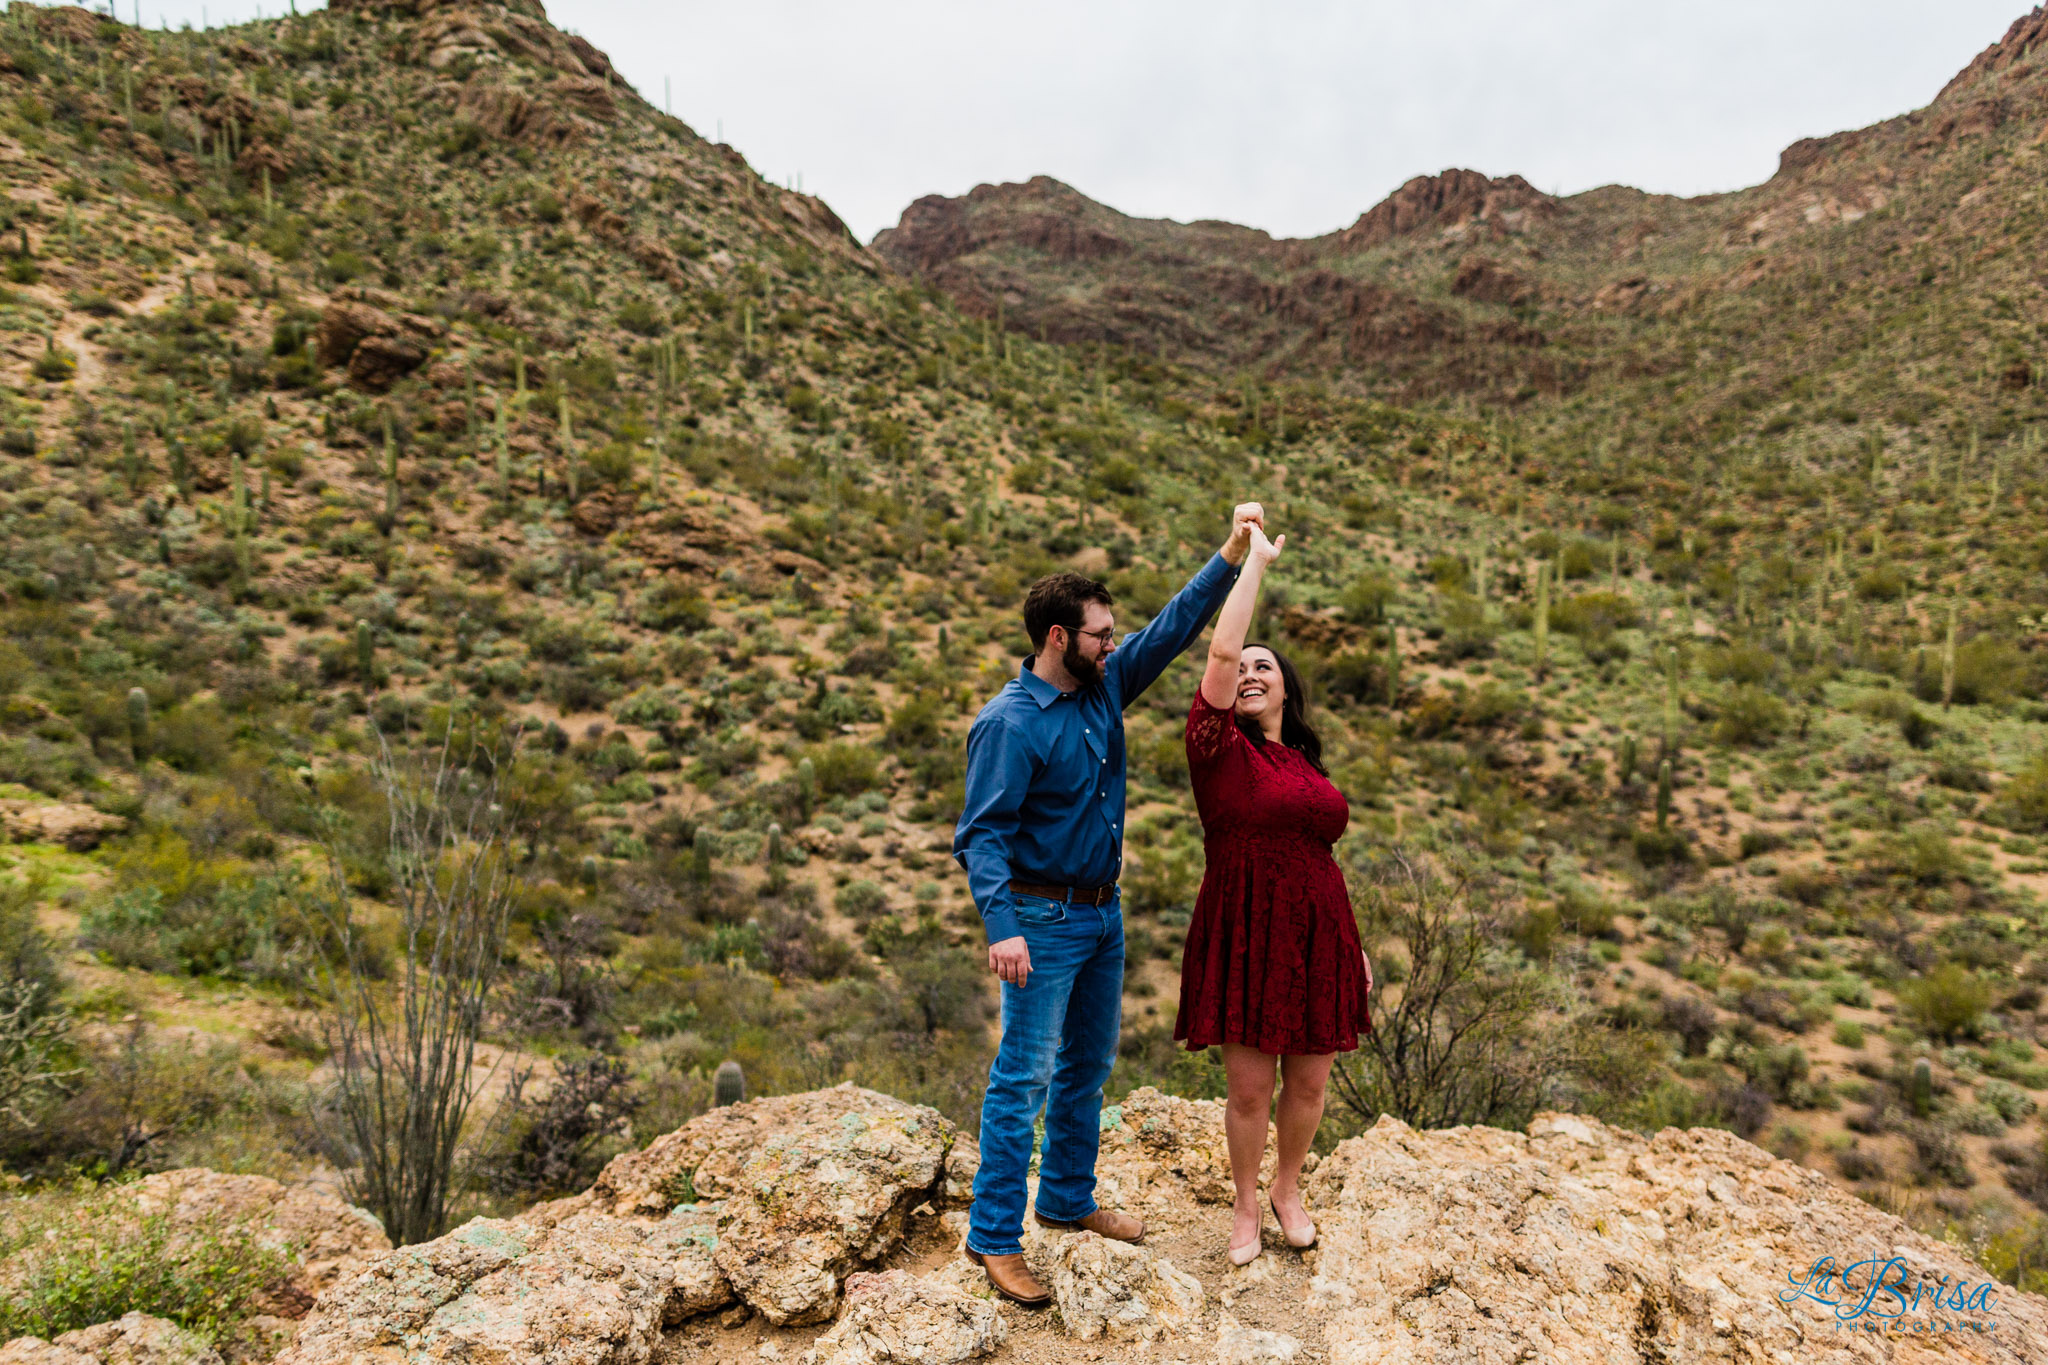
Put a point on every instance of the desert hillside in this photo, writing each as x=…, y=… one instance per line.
x=393, y=380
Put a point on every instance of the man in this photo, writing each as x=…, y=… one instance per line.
x=1041, y=836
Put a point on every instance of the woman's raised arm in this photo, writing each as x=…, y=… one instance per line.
x=1226, y=646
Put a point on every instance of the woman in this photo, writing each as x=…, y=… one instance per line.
x=1273, y=970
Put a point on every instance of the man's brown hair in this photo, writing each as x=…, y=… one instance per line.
x=1059, y=599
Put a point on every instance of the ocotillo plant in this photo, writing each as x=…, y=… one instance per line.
x=366, y=654
x=138, y=724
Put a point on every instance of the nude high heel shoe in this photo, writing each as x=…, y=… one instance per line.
x=1245, y=1255
x=1295, y=1238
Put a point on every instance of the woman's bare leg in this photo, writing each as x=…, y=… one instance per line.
x=1249, y=1074
x=1301, y=1109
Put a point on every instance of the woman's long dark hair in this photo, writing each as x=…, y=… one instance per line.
x=1295, y=731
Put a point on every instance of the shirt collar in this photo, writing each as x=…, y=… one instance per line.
x=1042, y=692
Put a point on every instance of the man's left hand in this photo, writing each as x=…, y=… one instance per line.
x=1246, y=516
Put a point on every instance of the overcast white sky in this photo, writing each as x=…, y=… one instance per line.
x=1293, y=115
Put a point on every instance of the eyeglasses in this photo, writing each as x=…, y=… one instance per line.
x=1106, y=637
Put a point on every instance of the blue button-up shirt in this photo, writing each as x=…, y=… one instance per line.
x=1045, y=768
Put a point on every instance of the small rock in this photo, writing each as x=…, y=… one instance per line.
x=1237, y=1344
x=136, y=1339
x=1115, y=1289
x=895, y=1318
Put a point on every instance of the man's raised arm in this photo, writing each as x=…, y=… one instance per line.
x=1145, y=653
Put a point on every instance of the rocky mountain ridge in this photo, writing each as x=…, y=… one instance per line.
x=1464, y=284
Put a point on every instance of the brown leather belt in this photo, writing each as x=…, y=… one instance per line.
x=1085, y=895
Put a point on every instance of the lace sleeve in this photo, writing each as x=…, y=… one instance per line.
x=1212, y=732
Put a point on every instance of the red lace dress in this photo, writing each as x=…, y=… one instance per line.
x=1272, y=957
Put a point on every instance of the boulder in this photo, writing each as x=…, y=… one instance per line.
x=1579, y=1242
x=378, y=362
x=136, y=1339
x=344, y=323
x=819, y=1199
x=587, y=1287
x=1158, y=1146
x=78, y=828
x=1114, y=1289
x=895, y=1318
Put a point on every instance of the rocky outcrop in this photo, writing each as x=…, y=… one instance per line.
x=76, y=827
x=363, y=330
x=1434, y=202
x=1577, y=1241
x=587, y=1287
x=136, y=1339
x=1571, y=1242
x=772, y=1202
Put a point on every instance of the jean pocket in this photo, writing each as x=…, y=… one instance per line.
x=1040, y=910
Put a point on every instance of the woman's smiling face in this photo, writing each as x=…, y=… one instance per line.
x=1260, y=689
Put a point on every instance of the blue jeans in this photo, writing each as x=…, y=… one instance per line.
x=1059, y=1043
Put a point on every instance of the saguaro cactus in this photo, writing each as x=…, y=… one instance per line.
x=138, y=724
x=1920, y=1092
x=1663, y=795
x=366, y=654
x=1948, y=660
x=1542, y=624
x=728, y=1085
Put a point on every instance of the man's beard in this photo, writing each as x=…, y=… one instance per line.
x=1083, y=671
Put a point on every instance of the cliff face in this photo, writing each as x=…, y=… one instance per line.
x=826, y=1224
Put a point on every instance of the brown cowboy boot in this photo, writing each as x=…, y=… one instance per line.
x=1109, y=1223
x=1012, y=1279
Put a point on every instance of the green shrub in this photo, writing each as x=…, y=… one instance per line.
x=1849, y=1034
x=1947, y=1003
x=674, y=603
x=244, y=929
x=641, y=318
x=1749, y=717
x=2011, y=1103
x=76, y=1260
x=1366, y=598
x=2022, y=803
x=861, y=900
x=845, y=767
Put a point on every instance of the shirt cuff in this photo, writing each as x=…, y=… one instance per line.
x=1000, y=924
